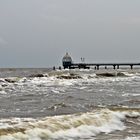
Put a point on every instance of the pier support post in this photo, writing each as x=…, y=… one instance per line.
x=97, y=67
x=114, y=67
x=118, y=66
x=131, y=67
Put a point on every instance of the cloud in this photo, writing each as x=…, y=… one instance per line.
x=3, y=41
x=130, y=20
x=58, y=19
x=135, y=20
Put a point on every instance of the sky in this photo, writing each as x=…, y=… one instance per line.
x=38, y=33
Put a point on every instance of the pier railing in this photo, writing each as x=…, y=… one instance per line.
x=97, y=65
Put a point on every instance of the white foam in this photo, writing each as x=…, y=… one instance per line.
x=132, y=114
x=55, y=91
x=3, y=92
x=4, y=125
x=84, y=125
x=132, y=138
x=130, y=94
x=88, y=78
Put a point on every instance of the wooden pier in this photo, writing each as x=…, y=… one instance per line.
x=98, y=65
x=68, y=63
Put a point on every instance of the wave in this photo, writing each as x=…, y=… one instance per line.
x=132, y=138
x=88, y=74
x=63, y=80
x=82, y=125
x=59, y=81
x=111, y=74
x=70, y=74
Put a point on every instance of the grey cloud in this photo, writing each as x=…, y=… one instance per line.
x=39, y=32
x=3, y=41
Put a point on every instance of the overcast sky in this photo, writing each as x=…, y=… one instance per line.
x=37, y=33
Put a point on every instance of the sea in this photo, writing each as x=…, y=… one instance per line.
x=76, y=104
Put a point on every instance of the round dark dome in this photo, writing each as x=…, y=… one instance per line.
x=67, y=58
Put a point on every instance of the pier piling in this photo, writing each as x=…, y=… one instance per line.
x=97, y=67
x=131, y=67
x=114, y=67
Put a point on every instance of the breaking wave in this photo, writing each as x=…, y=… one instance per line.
x=60, y=80
x=82, y=125
x=132, y=138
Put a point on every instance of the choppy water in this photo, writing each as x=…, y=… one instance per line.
x=41, y=104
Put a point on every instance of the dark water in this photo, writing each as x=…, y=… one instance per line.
x=89, y=104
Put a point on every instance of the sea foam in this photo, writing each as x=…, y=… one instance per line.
x=83, y=125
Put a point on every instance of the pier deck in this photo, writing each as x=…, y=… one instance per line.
x=97, y=65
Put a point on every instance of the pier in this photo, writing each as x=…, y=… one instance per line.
x=68, y=63
x=98, y=65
